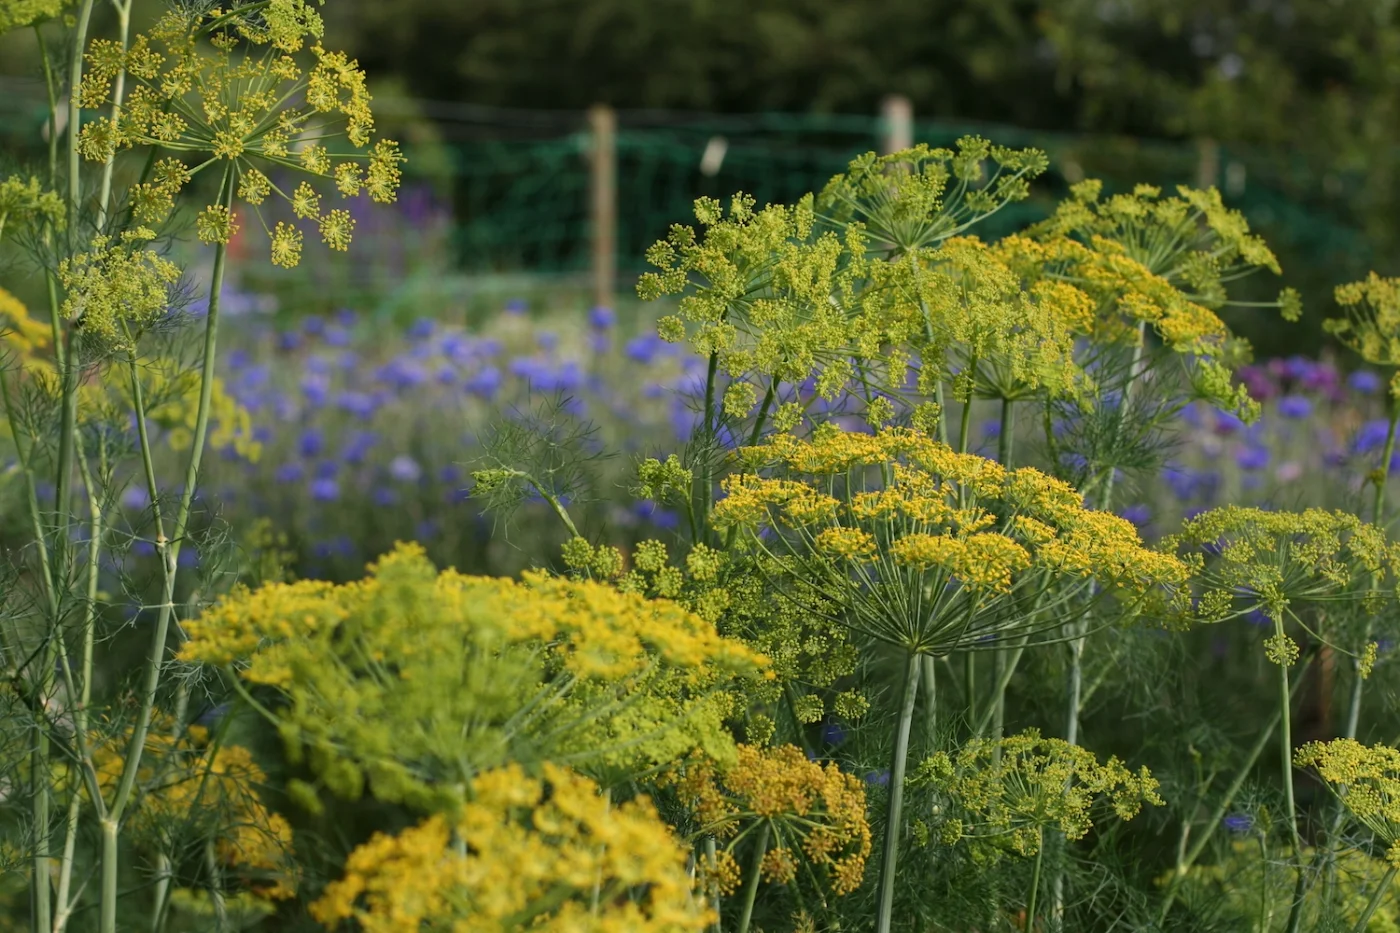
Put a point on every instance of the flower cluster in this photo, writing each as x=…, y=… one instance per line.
x=1367, y=780
x=548, y=854
x=918, y=543
x=211, y=790
x=1244, y=559
x=810, y=810
x=1371, y=327
x=248, y=104
x=1004, y=794
x=17, y=14
x=484, y=670
x=115, y=292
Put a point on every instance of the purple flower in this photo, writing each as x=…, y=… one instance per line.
x=1295, y=406
x=1371, y=436
x=1252, y=457
x=1139, y=515
x=879, y=778
x=311, y=442
x=1227, y=422
x=237, y=358
x=384, y=496
x=324, y=490
x=360, y=404
x=313, y=325
x=347, y=318
x=136, y=497
x=316, y=388
x=405, y=469
x=292, y=472
x=288, y=340
x=402, y=373
x=515, y=306
x=644, y=349
x=421, y=329
x=1238, y=822
x=359, y=446
x=1364, y=381
x=547, y=340
x=337, y=336
x=485, y=383
x=833, y=734
x=601, y=317
x=425, y=530
x=447, y=374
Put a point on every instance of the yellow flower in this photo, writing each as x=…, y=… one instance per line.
x=549, y=854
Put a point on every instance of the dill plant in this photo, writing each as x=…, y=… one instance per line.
x=218, y=93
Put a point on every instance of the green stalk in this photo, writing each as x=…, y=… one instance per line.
x=999, y=657
x=1375, y=901
x=1295, y=914
x=170, y=553
x=1184, y=864
x=1035, y=885
x=118, y=94
x=712, y=855
x=929, y=678
x=884, y=912
x=751, y=889
x=705, y=480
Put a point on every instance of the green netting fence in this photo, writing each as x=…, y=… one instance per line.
x=515, y=184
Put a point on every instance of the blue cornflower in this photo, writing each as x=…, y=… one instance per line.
x=1252, y=457
x=237, y=358
x=1295, y=406
x=315, y=388
x=1139, y=515
x=143, y=548
x=318, y=364
x=210, y=717
x=485, y=383
x=879, y=778
x=644, y=349
x=337, y=336
x=833, y=734
x=455, y=346
x=421, y=329
x=516, y=306
x=1371, y=436
x=1364, y=381
x=324, y=490
x=136, y=497
x=447, y=374
x=346, y=317
x=425, y=530
x=311, y=442
x=289, y=473
x=188, y=559
x=450, y=474
x=1238, y=822
x=402, y=373
x=359, y=404
x=405, y=469
x=313, y=325
x=991, y=429
x=547, y=340
x=1227, y=422
x=288, y=340
x=601, y=317
x=384, y=496
x=359, y=446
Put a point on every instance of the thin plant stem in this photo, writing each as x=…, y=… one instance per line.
x=104, y=192
x=884, y=911
x=999, y=659
x=1034, y=895
x=705, y=480
x=751, y=889
x=929, y=678
x=169, y=550
x=1286, y=761
x=712, y=855
x=1375, y=902
x=1185, y=863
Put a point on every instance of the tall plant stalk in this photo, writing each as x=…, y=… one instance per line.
x=894, y=813
x=169, y=551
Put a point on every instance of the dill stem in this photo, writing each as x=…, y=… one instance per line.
x=169, y=550
x=751, y=889
x=884, y=912
x=1375, y=901
x=999, y=658
x=1034, y=894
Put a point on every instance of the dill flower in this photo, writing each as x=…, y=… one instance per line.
x=17, y=14
x=917, y=198
x=1004, y=794
x=249, y=104
x=487, y=670
x=1244, y=559
x=23, y=201
x=809, y=810
x=1366, y=778
x=548, y=853
x=945, y=539
x=1371, y=326
x=112, y=289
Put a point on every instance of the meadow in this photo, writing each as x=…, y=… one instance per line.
x=864, y=572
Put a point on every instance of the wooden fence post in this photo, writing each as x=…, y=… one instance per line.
x=896, y=124
x=602, y=126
